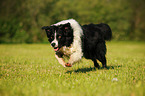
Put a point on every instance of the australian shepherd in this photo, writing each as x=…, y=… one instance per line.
x=70, y=39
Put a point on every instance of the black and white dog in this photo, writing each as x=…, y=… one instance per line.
x=70, y=39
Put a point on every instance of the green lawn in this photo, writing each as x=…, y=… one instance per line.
x=32, y=70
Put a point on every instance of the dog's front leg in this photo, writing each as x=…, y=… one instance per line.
x=60, y=60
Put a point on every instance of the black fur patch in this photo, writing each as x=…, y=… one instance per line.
x=94, y=46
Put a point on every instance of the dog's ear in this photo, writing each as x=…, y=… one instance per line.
x=67, y=29
x=46, y=28
x=65, y=26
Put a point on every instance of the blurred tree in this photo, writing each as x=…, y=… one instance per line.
x=10, y=24
x=21, y=21
x=137, y=20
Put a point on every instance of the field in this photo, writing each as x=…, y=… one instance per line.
x=32, y=70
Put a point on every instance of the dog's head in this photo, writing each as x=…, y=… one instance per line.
x=59, y=36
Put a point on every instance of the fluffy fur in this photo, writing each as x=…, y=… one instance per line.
x=94, y=46
x=75, y=50
x=70, y=39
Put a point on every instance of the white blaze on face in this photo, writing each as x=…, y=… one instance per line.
x=55, y=40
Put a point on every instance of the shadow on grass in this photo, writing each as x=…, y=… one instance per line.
x=84, y=70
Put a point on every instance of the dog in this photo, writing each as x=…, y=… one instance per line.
x=70, y=39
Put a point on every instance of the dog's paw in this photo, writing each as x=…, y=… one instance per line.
x=68, y=65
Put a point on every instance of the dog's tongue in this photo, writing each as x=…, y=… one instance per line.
x=56, y=49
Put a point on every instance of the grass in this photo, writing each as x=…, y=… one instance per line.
x=32, y=70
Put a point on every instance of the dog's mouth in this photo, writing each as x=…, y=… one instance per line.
x=56, y=49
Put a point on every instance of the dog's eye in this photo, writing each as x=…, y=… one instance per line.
x=59, y=37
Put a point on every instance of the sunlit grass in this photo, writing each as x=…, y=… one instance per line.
x=32, y=70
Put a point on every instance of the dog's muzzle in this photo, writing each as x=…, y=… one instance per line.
x=55, y=47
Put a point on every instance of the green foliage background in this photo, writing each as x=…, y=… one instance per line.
x=21, y=20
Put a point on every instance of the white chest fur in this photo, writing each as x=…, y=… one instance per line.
x=67, y=51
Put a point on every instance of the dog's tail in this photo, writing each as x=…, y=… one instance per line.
x=106, y=31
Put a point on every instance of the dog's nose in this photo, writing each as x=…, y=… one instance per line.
x=53, y=44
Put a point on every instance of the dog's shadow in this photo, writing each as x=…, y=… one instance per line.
x=84, y=70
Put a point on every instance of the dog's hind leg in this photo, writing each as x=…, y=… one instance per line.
x=96, y=63
x=102, y=59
